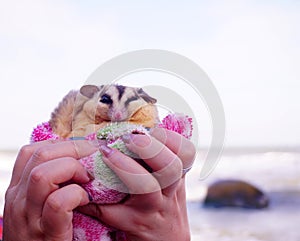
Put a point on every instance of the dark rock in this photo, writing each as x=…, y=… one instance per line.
x=235, y=193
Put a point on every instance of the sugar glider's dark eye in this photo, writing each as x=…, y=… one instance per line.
x=106, y=99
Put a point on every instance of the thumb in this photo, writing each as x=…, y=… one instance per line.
x=118, y=216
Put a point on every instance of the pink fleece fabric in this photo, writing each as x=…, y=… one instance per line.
x=86, y=228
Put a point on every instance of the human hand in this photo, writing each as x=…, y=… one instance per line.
x=156, y=208
x=36, y=206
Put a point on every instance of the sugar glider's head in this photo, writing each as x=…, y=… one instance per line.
x=116, y=102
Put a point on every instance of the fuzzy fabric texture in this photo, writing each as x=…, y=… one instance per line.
x=1, y=225
x=107, y=188
x=43, y=132
x=179, y=123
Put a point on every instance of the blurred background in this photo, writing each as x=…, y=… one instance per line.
x=249, y=49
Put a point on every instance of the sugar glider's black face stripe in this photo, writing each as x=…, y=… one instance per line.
x=121, y=90
x=133, y=98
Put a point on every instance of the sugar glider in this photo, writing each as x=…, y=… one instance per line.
x=92, y=107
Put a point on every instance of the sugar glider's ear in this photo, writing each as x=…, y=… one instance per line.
x=145, y=96
x=89, y=90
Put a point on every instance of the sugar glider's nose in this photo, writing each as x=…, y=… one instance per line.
x=117, y=116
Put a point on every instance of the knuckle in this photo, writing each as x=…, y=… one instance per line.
x=37, y=175
x=25, y=150
x=54, y=204
x=14, y=203
x=10, y=194
x=41, y=154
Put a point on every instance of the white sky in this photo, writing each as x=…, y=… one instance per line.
x=250, y=50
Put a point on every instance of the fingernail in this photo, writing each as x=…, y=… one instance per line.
x=105, y=150
x=90, y=175
x=90, y=197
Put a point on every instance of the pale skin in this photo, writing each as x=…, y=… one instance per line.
x=37, y=208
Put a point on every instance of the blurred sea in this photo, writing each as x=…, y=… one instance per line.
x=275, y=171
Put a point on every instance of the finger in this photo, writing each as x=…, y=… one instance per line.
x=57, y=214
x=180, y=145
x=73, y=149
x=123, y=216
x=166, y=165
x=45, y=179
x=119, y=216
x=136, y=178
x=116, y=215
x=23, y=156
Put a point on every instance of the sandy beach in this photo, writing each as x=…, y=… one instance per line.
x=276, y=172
